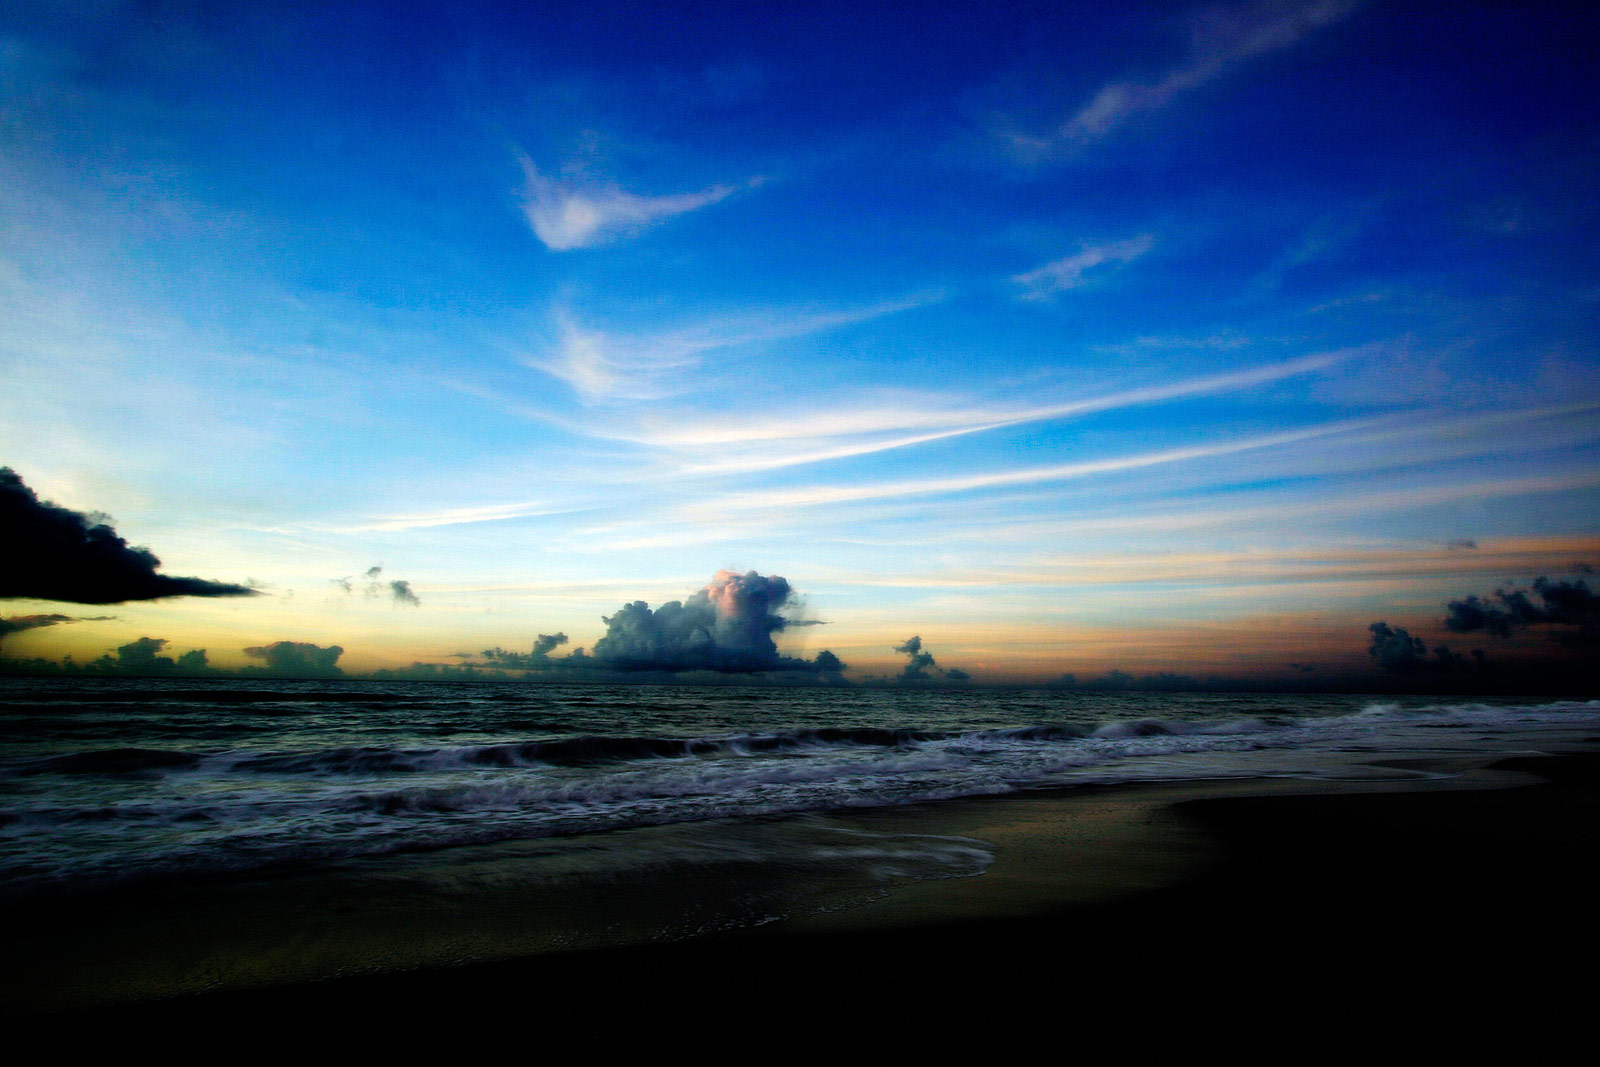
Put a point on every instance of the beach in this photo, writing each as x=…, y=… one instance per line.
x=1453, y=911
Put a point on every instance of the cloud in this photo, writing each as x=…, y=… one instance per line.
x=1395, y=650
x=1570, y=606
x=53, y=553
x=296, y=659
x=726, y=626
x=921, y=666
x=547, y=643
x=1221, y=39
x=568, y=215
x=743, y=442
x=399, y=591
x=1041, y=283
x=611, y=367
x=18, y=623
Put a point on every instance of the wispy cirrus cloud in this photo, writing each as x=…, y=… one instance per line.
x=1220, y=40
x=747, y=443
x=580, y=214
x=1069, y=272
x=777, y=500
x=607, y=367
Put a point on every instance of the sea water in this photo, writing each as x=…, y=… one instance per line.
x=112, y=782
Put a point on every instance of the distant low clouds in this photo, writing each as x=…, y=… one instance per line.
x=53, y=553
x=921, y=666
x=296, y=659
x=726, y=627
x=582, y=213
x=1070, y=272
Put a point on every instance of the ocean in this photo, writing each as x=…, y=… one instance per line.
x=110, y=781
x=568, y=816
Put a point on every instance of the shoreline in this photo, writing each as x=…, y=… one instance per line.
x=1289, y=897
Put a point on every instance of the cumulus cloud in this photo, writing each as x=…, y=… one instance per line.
x=1070, y=272
x=1570, y=607
x=921, y=666
x=1394, y=649
x=296, y=659
x=547, y=643
x=52, y=553
x=726, y=626
x=567, y=214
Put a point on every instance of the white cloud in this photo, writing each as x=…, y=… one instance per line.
x=611, y=367
x=1068, y=272
x=566, y=215
x=766, y=441
x=1221, y=39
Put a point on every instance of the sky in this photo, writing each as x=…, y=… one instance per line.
x=1068, y=338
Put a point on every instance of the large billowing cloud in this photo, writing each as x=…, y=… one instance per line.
x=727, y=626
x=52, y=553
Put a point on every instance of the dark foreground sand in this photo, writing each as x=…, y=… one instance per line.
x=1283, y=920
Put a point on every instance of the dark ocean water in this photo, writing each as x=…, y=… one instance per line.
x=105, y=782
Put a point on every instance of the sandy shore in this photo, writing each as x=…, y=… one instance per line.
x=1456, y=911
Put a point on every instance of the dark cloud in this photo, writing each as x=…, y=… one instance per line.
x=922, y=667
x=1461, y=543
x=17, y=623
x=143, y=656
x=1570, y=608
x=1395, y=650
x=829, y=664
x=536, y=660
x=547, y=643
x=52, y=553
x=296, y=659
x=916, y=670
x=372, y=587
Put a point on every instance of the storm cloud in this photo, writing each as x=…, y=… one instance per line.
x=53, y=553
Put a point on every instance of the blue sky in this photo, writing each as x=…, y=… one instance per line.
x=1178, y=336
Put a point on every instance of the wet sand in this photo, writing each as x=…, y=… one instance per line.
x=1454, y=913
